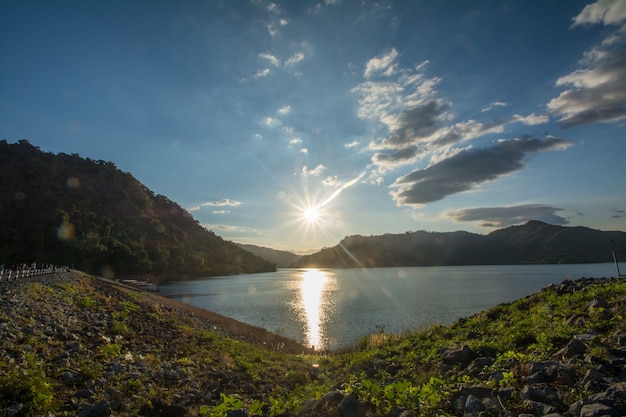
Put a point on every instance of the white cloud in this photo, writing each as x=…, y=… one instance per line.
x=284, y=110
x=220, y=212
x=383, y=65
x=272, y=8
x=304, y=151
x=262, y=73
x=352, y=144
x=271, y=122
x=493, y=106
x=313, y=172
x=531, y=120
x=498, y=217
x=270, y=58
x=295, y=58
x=468, y=168
x=330, y=181
x=608, y=12
x=295, y=141
x=597, y=89
x=222, y=202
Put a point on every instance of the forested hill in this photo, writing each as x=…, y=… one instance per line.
x=282, y=259
x=67, y=210
x=533, y=243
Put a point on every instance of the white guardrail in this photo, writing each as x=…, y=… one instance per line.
x=20, y=272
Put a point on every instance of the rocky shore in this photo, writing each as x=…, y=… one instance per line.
x=76, y=345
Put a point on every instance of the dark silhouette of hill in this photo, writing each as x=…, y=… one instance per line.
x=67, y=210
x=282, y=259
x=533, y=243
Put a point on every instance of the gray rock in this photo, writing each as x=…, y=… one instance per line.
x=101, y=409
x=462, y=356
x=14, y=409
x=84, y=393
x=311, y=405
x=332, y=398
x=350, y=406
x=597, y=410
x=236, y=413
x=573, y=348
x=533, y=394
x=473, y=406
x=538, y=378
x=505, y=394
x=480, y=363
x=539, y=408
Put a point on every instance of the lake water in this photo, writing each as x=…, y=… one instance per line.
x=334, y=308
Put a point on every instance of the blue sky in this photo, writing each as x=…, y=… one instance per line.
x=385, y=117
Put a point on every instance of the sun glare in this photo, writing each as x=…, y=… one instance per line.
x=312, y=214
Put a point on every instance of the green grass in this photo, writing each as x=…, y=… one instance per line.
x=387, y=371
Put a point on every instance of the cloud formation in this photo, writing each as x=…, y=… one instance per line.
x=422, y=130
x=498, y=217
x=222, y=202
x=597, y=89
x=384, y=65
x=468, y=168
x=313, y=172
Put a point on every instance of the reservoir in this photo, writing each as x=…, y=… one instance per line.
x=331, y=309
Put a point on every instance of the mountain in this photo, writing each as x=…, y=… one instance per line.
x=281, y=258
x=533, y=243
x=66, y=210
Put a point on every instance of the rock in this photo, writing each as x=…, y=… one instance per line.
x=71, y=378
x=505, y=394
x=539, y=408
x=479, y=391
x=565, y=376
x=236, y=413
x=573, y=348
x=350, y=406
x=332, y=398
x=311, y=405
x=473, y=406
x=14, y=409
x=530, y=393
x=84, y=393
x=480, y=363
x=538, y=378
x=160, y=409
x=100, y=409
x=597, y=410
x=73, y=346
x=462, y=356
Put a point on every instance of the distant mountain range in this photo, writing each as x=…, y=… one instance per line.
x=533, y=243
x=282, y=259
x=67, y=210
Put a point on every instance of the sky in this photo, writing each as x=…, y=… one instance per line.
x=292, y=124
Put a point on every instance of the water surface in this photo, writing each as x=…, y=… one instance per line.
x=333, y=308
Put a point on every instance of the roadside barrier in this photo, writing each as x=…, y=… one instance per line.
x=14, y=274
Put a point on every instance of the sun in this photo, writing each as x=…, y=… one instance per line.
x=311, y=214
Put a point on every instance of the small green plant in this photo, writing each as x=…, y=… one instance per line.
x=228, y=403
x=111, y=350
x=508, y=379
x=86, y=302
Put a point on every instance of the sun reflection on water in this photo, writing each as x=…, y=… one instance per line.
x=313, y=285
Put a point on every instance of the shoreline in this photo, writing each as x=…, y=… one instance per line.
x=232, y=327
